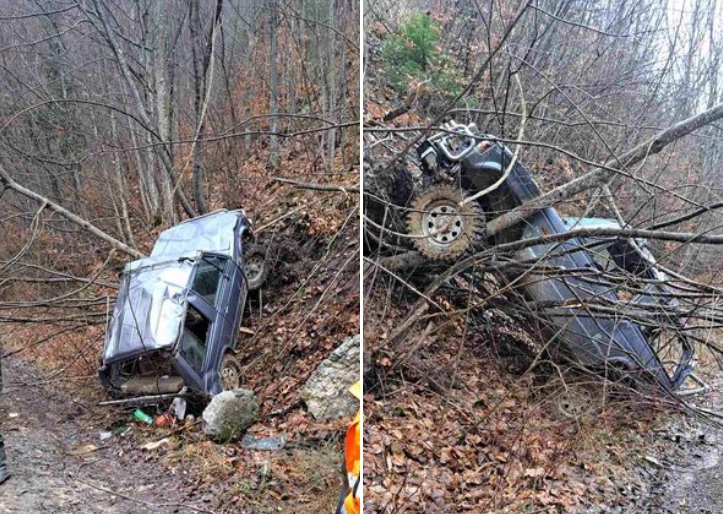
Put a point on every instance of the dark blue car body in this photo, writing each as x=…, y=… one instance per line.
x=598, y=341
x=179, y=311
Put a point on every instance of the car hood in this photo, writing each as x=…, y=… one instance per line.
x=150, y=308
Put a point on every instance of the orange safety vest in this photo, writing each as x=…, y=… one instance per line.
x=351, y=502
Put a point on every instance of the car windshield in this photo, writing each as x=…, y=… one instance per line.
x=212, y=233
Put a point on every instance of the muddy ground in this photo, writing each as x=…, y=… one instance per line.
x=687, y=455
x=59, y=464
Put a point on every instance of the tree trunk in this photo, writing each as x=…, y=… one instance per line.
x=121, y=183
x=274, y=159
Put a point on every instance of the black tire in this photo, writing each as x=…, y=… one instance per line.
x=230, y=372
x=108, y=379
x=403, y=186
x=453, y=230
x=255, y=266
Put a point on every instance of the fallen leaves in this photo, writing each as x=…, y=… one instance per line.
x=487, y=444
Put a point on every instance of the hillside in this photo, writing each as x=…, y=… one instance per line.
x=121, y=120
x=463, y=374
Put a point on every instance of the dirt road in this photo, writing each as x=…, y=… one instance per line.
x=691, y=465
x=59, y=464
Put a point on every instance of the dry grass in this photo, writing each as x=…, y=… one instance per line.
x=307, y=480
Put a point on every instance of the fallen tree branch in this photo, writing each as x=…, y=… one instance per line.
x=599, y=176
x=414, y=258
x=34, y=225
x=9, y=183
x=36, y=280
x=711, y=207
x=144, y=502
x=49, y=301
x=409, y=259
x=284, y=410
x=41, y=341
x=317, y=187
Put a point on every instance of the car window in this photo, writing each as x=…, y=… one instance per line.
x=193, y=345
x=208, y=278
x=603, y=259
x=629, y=259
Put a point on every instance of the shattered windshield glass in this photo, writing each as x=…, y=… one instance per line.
x=213, y=233
x=150, y=307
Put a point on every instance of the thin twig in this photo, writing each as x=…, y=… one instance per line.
x=317, y=187
x=144, y=502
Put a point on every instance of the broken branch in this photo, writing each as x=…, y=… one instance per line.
x=9, y=183
x=316, y=187
x=600, y=176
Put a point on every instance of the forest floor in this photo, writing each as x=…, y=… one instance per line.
x=691, y=469
x=460, y=423
x=59, y=465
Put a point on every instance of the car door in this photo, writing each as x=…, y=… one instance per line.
x=204, y=323
x=230, y=312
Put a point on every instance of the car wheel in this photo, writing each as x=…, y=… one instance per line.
x=230, y=373
x=255, y=265
x=442, y=229
x=575, y=402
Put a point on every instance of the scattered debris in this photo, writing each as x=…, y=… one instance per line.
x=189, y=421
x=178, y=408
x=272, y=443
x=105, y=435
x=84, y=450
x=142, y=416
x=156, y=444
x=163, y=420
x=326, y=391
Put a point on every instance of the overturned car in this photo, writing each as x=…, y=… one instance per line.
x=178, y=313
x=605, y=301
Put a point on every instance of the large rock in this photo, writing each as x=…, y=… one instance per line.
x=230, y=413
x=326, y=393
